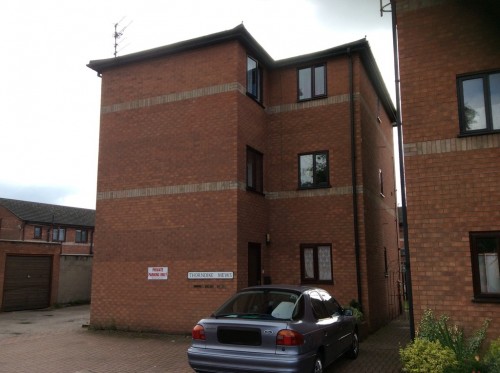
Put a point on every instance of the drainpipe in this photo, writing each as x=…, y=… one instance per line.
x=399, y=125
x=354, y=180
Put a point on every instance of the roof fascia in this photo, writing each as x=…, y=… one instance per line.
x=239, y=33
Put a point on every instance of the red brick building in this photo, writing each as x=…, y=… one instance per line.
x=450, y=90
x=221, y=168
x=45, y=254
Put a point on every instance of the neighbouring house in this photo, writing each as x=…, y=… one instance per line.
x=221, y=168
x=450, y=88
x=45, y=254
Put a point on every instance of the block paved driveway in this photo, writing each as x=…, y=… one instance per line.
x=56, y=340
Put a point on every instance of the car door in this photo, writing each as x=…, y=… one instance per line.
x=341, y=335
x=325, y=326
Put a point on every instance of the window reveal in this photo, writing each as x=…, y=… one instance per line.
x=312, y=82
x=255, y=170
x=316, y=263
x=254, y=79
x=485, y=249
x=479, y=103
x=313, y=170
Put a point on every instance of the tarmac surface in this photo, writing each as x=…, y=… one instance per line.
x=59, y=340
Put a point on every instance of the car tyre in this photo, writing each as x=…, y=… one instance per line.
x=318, y=364
x=353, y=351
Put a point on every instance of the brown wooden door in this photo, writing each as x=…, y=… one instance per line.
x=27, y=282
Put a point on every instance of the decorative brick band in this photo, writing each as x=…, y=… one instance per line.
x=213, y=90
x=173, y=97
x=309, y=104
x=338, y=191
x=220, y=186
x=459, y=144
x=171, y=190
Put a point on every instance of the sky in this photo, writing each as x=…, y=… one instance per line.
x=50, y=99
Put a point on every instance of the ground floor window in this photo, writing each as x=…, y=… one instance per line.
x=316, y=263
x=485, y=248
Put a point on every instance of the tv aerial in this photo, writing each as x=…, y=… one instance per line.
x=118, y=34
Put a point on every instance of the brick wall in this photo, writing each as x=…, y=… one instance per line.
x=172, y=184
x=452, y=182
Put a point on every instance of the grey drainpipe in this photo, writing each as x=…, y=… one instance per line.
x=399, y=124
x=354, y=180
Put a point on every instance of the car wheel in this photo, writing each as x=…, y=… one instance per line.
x=318, y=364
x=354, y=349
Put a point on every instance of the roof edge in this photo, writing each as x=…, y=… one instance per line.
x=237, y=33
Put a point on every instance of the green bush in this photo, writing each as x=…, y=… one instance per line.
x=451, y=337
x=492, y=356
x=354, y=306
x=426, y=356
x=466, y=349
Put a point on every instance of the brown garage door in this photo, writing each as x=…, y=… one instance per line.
x=27, y=282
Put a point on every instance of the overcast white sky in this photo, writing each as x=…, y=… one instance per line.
x=50, y=100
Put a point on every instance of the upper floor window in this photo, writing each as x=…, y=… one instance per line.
x=485, y=249
x=316, y=263
x=81, y=236
x=254, y=79
x=59, y=234
x=37, y=232
x=314, y=170
x=479, y=103
x=254, y=170
x=312, y=82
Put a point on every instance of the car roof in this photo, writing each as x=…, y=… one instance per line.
x=297, y=288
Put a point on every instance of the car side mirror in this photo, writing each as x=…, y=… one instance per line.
x=348, y=312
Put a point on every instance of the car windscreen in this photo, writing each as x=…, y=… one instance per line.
x=263, y=304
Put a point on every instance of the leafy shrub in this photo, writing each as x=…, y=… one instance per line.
x=453, y=337
x=423, y=355
x=355, y=307
x=492, y=356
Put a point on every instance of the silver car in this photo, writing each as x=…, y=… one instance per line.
x=274, y=328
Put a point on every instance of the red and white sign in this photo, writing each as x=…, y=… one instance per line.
x=157, y=273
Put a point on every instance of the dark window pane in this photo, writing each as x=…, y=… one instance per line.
x=305, y=90
x=321, y=169
x=250, y=181
x=474, y=108
x=319, y=81
x=495, y=100
x=255, y=173
x=253, y=78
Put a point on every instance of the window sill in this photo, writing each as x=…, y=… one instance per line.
x=486, y=300
x=316, y=282
x=312, y=98
x=314, y=187
x=255, y=192
x=478, y=133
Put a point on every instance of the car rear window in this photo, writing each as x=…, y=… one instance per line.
x=263, y=304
